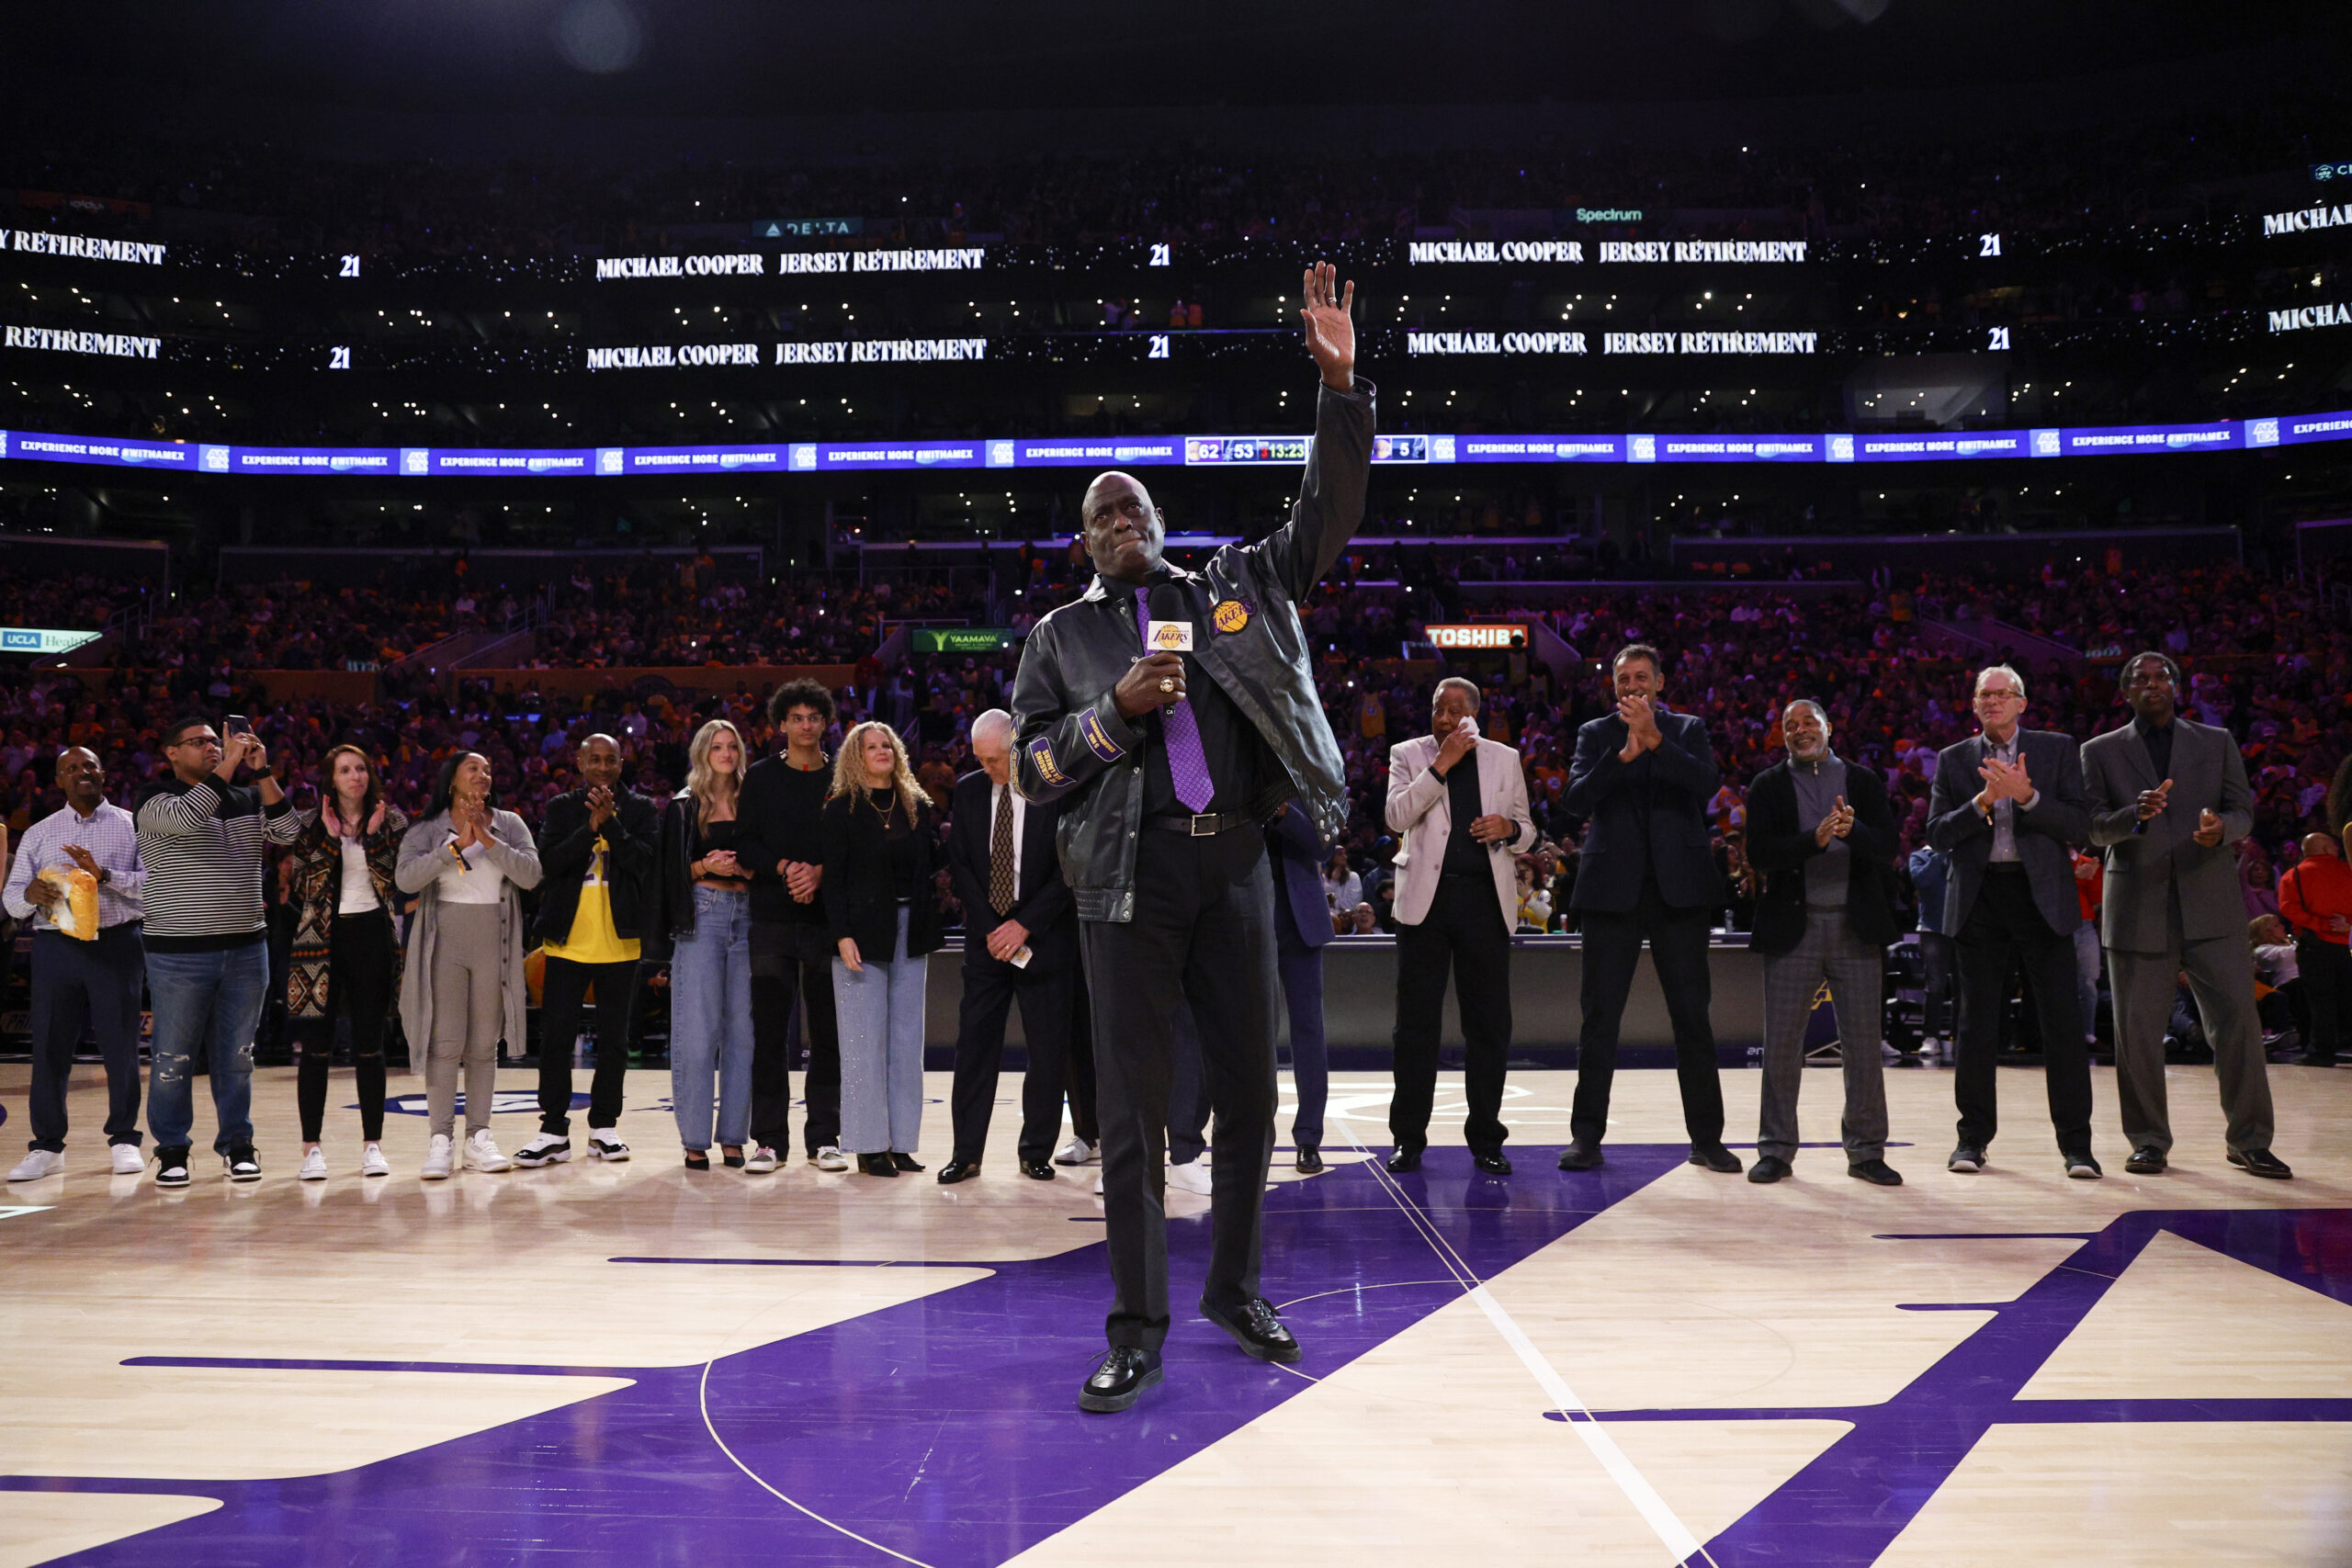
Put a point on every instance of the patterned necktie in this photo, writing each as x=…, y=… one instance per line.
x=1001, y=886
x=1188, y=766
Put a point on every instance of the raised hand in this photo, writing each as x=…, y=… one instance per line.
x=1459, y=743
x=2209, y=829
x=82, y=858
x=1330, y=332
x=1152, y=682
x=2152, y=802
x=1641, y=727
x=375, y=821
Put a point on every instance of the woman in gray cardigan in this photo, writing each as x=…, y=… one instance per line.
x=462, y=990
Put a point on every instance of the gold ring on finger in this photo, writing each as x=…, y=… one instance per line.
x=1167, y=684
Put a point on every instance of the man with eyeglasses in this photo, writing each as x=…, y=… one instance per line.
x=204, y=838
x=2007, y=806
x=2168, y=802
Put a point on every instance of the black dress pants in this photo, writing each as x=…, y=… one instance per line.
x=1203, y=932
x=2327, y=992
x=562, y=994
x=2005, y=924
x=1082, y=1122
x=1464, y=931
x=360, y=959
x=1613, y=951
x=990, y=989
x=78, y=983
x=792, y=962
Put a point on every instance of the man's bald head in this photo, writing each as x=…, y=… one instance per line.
x=82, y=777
x=600, y=761
x=1123, y=529
x=2321, y=844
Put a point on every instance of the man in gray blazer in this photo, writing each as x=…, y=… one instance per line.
x=1459, y=803
x=2006, y=806
x=2168, y=797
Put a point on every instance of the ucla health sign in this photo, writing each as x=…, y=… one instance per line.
x=42, y=640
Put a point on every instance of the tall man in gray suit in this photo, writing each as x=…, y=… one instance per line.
x=2168, y=797
x=2007, y=805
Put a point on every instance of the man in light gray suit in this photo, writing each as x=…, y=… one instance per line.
x=2168, y=795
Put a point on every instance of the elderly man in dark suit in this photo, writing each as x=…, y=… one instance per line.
x=1821, y=834
x=2007, y=806
x=2168, y=799
x=1020, y=939
x=1644, y=775
x=1301, y=929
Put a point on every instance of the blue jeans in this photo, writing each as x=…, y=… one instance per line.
x=880, y=1014
x=212, y=999
x=2086, y=975
x=711, y=1019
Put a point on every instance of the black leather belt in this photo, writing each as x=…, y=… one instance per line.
x=1208, y=825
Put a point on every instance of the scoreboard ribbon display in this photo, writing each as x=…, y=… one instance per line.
x=1169, y=451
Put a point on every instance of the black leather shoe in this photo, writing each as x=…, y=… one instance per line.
x=905, y=1162
x=2083, y=1168
x=1581, y=1157
x=1309, y=1160
x=1496, y=1164
x=877, y=1165
x=1715, y=1157
x=1966, y=1160
x=2261, y=1162
x=957, y=1171
x=2146, y=1161
x=1768, y=1169
x=1119, y=1378
x=1404, y=1159
x=1037, y=1169
x=1877, y=1172
x=1258, y=1329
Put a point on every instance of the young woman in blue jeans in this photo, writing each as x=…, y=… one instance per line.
x=707, y=901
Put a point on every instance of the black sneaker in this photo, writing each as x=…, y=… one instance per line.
x=170, y=1167
x=243, y=1164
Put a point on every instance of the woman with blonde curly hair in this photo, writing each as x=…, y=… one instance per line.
x=706, y=908
x=881, y=837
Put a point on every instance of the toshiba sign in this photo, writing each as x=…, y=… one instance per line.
x=1477, y=637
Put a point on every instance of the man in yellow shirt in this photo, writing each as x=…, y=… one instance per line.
x=596, y=850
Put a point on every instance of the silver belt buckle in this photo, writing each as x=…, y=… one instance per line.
x=1208, y=832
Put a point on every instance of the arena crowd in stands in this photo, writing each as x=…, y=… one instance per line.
x=2263, y=656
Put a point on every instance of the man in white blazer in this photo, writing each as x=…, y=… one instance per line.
x=1457, y=821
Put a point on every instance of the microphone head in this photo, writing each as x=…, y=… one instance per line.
x=1168, y=626
x=1167, y=602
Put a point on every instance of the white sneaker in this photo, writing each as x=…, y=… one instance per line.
x=439, y=1156
x=38, y=1163
x=545, y=1148
x=603, y=1146
x=314, y=1167
x=1190, y=1177
x=481, y=1152
x=760, y=1161
x=129, y=1160
x=830, y=1157
x=373, y=1163
x=1098, y=1184
x=1078, y=1151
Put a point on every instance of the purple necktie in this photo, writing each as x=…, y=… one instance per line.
x=1188, y=766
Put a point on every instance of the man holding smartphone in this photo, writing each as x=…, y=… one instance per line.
x=204, y=839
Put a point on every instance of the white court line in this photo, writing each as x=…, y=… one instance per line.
x=1661, y=1518
x=704, y=1398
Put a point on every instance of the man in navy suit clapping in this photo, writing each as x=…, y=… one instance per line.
x=1643, y=776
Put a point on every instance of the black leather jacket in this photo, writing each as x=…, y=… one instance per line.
x=1075, y=747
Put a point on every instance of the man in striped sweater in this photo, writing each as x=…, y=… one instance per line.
x=205, y=839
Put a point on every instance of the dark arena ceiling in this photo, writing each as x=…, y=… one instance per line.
x=758, y=58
